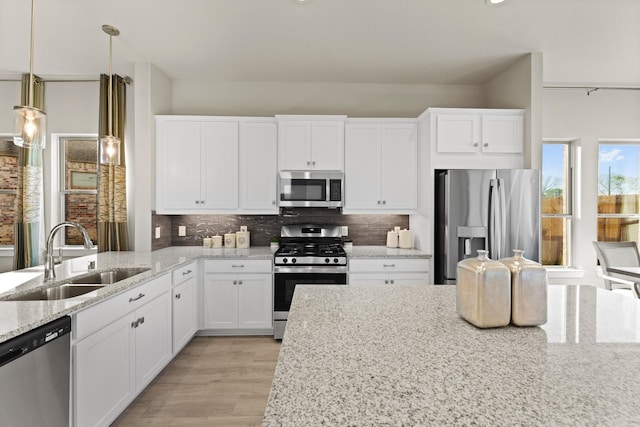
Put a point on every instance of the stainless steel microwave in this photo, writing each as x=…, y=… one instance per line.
x=311, y=189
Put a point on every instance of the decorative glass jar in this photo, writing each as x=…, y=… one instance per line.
x=483, y=294
x=528, y=290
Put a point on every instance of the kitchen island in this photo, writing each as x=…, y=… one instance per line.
x=400, y=355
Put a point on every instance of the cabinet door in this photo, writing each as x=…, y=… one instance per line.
x=294, y=145
x=458, y=133
x=362, y=166
x=219, y=162
x=409, y=278
x=152, y=339
x=258, y=166
x=103, y=383
x=399, y=166
x=178, y=172
x=220, y=309
x=367, y=278
x=502, y=134
x=255, y=306
x=327, y=145
x=185, y=320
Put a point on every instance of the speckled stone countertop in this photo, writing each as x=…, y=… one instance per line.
x=385, y=252
x=17, y=317
x=401, y=356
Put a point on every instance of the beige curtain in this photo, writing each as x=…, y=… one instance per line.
x=28, y=229
x=112, y=197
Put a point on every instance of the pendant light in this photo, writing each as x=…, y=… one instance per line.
x=30, y=123
x=109, y=144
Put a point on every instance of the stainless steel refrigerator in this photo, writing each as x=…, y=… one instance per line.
x=493, y=209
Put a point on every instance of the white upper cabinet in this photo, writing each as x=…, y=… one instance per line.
x=478, y=130
x=258, y=167
x=381, y=166
x=216, y=165
x=311, y=142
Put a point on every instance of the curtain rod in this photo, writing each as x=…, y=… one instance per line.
x=591, y=88
x=127, y=80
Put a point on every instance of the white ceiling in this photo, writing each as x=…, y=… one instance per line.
x=372, y=41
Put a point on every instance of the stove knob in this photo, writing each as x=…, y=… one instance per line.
x=335, y=260
x=284, y=260
x=327, y=260
x=294, y=261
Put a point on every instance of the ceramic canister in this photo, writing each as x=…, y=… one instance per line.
x=216, y=242
x=242, y=239
x=405, y=239
x=230, y=240
x=528, y=290
x=392, y=239
x=483, y=291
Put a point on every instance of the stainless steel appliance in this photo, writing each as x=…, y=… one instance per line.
x=311, y=189
x=497, y=210
x=34, y=376
x=309, y=254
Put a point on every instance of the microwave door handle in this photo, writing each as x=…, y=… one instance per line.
x=491, y=235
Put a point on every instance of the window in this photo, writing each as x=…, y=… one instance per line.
x=618, y=209
x=8, y=188
x=557, y=202
x=79, y=186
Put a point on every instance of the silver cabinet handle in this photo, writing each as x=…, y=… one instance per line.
x=386, y=282
x=235, y=282
x=136, y=298
x=475, y=144
x=237, y=265
x=486, y=144
x=141, y=320
x=178, y=296
x=384, y=202
x=239, y=282
x=184, y=273
x=392, y=282
x=202, y=202
x=308, y=163
x=134, y=324
x=197, y=202
x=313, y=163
x=378, y=201
x=388, y=265
x=273, y=202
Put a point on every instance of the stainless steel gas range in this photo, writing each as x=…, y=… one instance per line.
x=309, y=254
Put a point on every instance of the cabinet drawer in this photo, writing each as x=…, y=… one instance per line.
x=184, y=273
x=389, y=265
x=107, y=311
x=237, y=266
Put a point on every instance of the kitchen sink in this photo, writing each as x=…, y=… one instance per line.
x=80, y=285
x=107, y=277
x=67, y=290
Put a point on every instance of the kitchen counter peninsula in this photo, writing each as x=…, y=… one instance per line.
x=17, y=317
x=400, y=355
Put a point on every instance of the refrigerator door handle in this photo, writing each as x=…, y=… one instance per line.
x=502, y=220
x=492, y=237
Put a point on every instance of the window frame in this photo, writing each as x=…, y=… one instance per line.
x=614, y=141
x=8, y=137
x=572, y=198
x=58, y=181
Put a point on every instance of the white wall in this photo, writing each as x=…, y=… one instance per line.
x=520, y=86
x=355, y=100
x=602, y=115
x=152, y=96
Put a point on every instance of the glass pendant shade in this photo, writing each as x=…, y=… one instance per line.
x=30, y=127
x=110, y=150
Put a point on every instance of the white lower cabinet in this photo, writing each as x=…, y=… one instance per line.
x=238, y=301
x=118, y=356
x=184, y=299
x=389, y=271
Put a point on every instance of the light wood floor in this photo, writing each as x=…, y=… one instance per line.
x=213, y=381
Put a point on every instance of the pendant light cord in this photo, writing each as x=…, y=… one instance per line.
x=33, y=15
x=109, y=101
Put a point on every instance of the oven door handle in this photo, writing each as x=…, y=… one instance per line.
x=310, y=269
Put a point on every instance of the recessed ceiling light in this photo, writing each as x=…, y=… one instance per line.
x=301, y=1
x=494, y=2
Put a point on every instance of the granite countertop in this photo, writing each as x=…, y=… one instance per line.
x=385, y=252
x=400, y=355
x=17, y=317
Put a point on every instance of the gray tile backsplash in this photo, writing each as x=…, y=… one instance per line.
x=363, y=229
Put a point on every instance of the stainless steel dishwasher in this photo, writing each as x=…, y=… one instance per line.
x=34, y=376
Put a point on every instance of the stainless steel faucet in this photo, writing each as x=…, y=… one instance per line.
x=50, y=263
